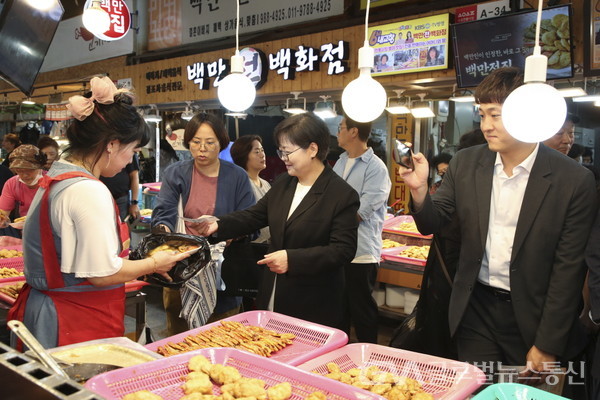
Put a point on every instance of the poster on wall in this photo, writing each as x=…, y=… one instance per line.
x=591, y=37
x=483, y=46
x=410, y=46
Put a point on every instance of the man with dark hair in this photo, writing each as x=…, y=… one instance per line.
x=368, y=175
x=564, y=138
x=523, y=210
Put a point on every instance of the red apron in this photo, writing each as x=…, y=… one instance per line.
x=88, y=314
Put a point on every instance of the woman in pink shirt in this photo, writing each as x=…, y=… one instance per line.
x=26, y=162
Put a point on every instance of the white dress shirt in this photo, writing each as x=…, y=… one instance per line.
x=505, y=207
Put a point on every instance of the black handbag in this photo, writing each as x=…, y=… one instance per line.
x=239, y=270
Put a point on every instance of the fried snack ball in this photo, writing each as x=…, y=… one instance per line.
x=200, y=384
x=333, y=367
x=316, y=396
x=199, y=396
x=422, y=396
x=246, y=387
x=142, y=395
x=224, y=374
x=381, y=388
x=397, y=394
x=199, y=363
x=281, y=391
x=195, y=375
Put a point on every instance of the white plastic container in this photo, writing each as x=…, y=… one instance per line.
x=394, y=296
x=379, y=295
x=411, y=297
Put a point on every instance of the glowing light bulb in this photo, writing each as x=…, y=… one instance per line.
x=96, y=19
x=364, y=98
x=236, y=92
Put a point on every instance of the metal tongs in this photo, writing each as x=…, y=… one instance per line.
x=30, y=341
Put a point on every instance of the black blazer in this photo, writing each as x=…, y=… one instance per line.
x=592, y=258
x=320, y=238
x=546, y=268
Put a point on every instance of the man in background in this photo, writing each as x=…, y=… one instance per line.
x=368, y=175
x=563, y=139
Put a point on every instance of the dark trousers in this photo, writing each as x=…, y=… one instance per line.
x=488, y=333
x=361, y=307
x=123, y=204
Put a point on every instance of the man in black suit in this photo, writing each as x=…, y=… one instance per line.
x=524, y=212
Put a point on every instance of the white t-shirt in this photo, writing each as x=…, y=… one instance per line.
x=84, y=215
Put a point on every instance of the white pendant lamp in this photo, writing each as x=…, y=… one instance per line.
x=95, y=18
x=364, y=98
x=236, y=92
x=535, y=111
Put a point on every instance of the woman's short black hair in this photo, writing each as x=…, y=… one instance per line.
x=442, y=158
x=302, y=130
x=47, y=141
x=115, y=121
x=241, y=148
x=211, y=120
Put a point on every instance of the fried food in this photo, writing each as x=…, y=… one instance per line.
x=6, y=253
x=199, y=363
x=555, y=40
x=142, y=395
x=380, y=382
x=20, y=219
x=12, y=290
x=224, y=374
x=281, y=391
x=200, y=383
x=419, y=252
x=316, y=396
x=145, y=212
x=388, y=243
x=254, y=339
x=247, y=387
x=9, y=273
x=406, y=227
x=176, y=248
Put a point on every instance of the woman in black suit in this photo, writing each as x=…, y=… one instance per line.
x=311, y=213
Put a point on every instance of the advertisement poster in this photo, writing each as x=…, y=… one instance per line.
x=595, y=39
x=410, y=46
x=483, y=46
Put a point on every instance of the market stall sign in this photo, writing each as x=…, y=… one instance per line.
x=120, y=18
x=410, y=46
x=482, y=11
x=170, y=74
x=201, y=72
x=289, y=61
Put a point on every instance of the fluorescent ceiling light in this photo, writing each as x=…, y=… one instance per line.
x=463, y=99
x=572, y=92
x=422, y=109
x=398, y=110
x=296, y=105
x=398, y=104
x=28, y=101
x=152, y=115
x=325, y=109
x=594, y=97
x=241, y=115
x=188, y=113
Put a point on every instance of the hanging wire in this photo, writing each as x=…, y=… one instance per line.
x=367, y=20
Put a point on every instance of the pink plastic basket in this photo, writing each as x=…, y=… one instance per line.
x=311, y=339
x=165, y=377
x=390, y=224
x=393, y=254
x=6, y=298
x=443, y=378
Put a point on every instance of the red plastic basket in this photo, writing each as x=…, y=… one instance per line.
x=165, y=377
x=390, y=224
x=443, y=378
x=311, y=339
x=393, y=254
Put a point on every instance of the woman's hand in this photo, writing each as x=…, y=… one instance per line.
x=205, y=228
x=277, y=261
x=165, y=260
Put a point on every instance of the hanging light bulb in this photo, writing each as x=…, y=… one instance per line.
x=364, y=98
x=534, y=111
x=95, y=18
x=236, y=92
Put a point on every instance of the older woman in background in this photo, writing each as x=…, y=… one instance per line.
x=247, y=152
x=311, y=212
x=191, y=188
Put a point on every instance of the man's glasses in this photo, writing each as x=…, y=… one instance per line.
x=208, y=145
x=285, y=155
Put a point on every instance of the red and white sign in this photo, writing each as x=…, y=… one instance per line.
x=120, y=18
x=482, y=11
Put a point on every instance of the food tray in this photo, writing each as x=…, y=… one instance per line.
x=515, y=391
x=13, y=262
x=443, y=378
x=392, y=254
x=129, y=287
x=311, y=339
x=165, y=377
x=6, y=298
x=388, y=226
